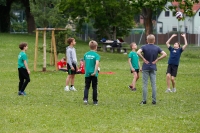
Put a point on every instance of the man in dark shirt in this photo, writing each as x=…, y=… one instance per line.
x=150, y=58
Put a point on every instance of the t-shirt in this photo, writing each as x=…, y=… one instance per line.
x=90, y=59
x=71, y=56
x=61, y=64
x=150, y=53
x=175, y=55
x=134, y=59
x=21, y=58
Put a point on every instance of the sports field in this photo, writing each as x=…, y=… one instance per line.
x=48, y=109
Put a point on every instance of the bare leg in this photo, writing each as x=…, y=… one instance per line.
x=135, y=78
x=173, y=82
x=168, y=77
x=68, y=79
x=72, y=79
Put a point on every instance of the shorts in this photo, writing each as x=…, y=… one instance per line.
x=172, y=69
x=70, y=71
x=136, y=70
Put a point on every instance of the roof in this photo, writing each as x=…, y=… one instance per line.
x=195, y=7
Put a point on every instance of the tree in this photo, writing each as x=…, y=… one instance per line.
x=5, y=7
x=148, y=7
x=111, y=18
x=46, y=13
x=114, y=15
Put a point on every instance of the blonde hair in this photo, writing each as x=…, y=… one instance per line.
x=150, y=38
x=131, y=45
x=93, y=44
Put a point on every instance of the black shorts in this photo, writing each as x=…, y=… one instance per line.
x=172, y=69
x=136, y=70
x=70, y=71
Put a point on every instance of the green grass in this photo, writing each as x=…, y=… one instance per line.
x=47, y=108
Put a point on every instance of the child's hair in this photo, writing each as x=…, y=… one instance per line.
x=131, y=45
x=93, y=44
x=150, y=38
x=64, y=58
x=70, y=40
x=178, y=44
x=22, y=45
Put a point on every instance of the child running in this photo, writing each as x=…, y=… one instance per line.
x=173, y=62
x=134, y=64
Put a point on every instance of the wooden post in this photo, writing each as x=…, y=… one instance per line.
x=44, y=51
x=54, y=47
x=36, y=49
x=51, y=55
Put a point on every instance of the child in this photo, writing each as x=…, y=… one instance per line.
x=133, y=61
x=150, y=58
x=91, y=63
x=81, y=69
x=62, y=64
x=173, y=62
x=71, y=64
x=23, y=69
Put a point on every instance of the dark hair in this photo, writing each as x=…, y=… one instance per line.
x=70, y=40
x=22, y=45
x=178, y=44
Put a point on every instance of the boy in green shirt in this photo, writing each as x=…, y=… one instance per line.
x=23, y=69
x=134, y=64
x=91, y=63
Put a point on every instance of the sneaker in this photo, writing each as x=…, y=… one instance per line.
x=95, y=103
x=20, y=93
x=85, y=101
x=154, y=102
x=174, y=90
x=72, y=88
x=66, y=88
x=168, y=90
x=143, y=102
x=24, y=93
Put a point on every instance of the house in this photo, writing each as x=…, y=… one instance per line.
x=168, y=22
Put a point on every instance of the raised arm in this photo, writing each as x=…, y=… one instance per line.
x=185, y=40
x=167, y=43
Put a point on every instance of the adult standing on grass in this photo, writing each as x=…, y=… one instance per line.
x=91, y=63
x=23, y=70
x=133, y=61
x=173, y=62
x=71, y=64
x=150, y=58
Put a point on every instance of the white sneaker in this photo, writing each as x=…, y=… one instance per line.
x=174, y=90
x=66, y=88
x=72, y=88
x=85, y=102
x=168, y=90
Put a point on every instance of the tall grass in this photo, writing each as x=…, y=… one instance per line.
x=47, y=108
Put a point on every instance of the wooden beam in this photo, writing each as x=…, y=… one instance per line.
x=36, y=49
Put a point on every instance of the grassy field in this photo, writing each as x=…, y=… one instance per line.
x=48, y=109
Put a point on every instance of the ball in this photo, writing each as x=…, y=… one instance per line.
x=179, y=15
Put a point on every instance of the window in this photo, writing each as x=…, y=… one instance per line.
x=166, y=13
x=174, y=28
x=161, y=29
x=199, y=13
x=186, y=29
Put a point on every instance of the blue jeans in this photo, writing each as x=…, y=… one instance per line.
x=145, y=75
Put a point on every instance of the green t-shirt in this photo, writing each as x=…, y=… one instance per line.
x=90, y=59
x=21, y=57
x=134, y=59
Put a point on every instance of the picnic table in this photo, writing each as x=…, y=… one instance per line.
x=108, y=45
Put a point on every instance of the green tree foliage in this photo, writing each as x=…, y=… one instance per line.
x=3, y=2
x=110, y=18
x=46, y=13
x=149, y=7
